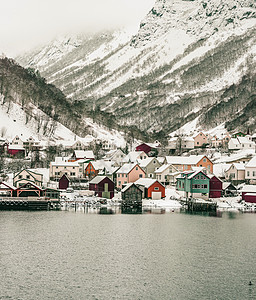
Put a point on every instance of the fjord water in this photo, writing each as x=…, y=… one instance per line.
x=68, y=255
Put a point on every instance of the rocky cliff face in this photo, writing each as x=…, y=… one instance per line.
x=189, y=61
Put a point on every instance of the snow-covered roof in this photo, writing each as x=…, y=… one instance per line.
x=65, y=164
x=249, y=189
x=147, y=182
x=133, y=156
x=144, y=162
x=184, y=160
x=97, y=179
x=162, y=168
x=234, y=141
x=126, y=168
x=84, y=154
x=239, y=166
x=128, y=185
x=7, y=185
x=15, y=147
x=197, y=172
x=251, y=194
x=244, y=140
x=251, y=163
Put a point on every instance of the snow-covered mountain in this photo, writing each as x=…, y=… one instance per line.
x=31, y=107
x=189, y=62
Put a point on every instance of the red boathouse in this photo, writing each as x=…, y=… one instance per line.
x=215, y=187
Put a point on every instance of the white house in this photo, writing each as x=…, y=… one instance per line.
x=241, y=143
x=250, y=170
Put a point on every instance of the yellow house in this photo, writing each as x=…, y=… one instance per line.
x=25, y=176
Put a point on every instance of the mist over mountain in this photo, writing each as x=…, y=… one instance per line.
x=191, y=63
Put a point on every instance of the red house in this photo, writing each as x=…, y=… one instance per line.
x=16, y=150
x=144, y=147
x=102, y=186
x=215, y=189
x=91, y=170
x=250, y=197
x=64, y=182
x=152, y=188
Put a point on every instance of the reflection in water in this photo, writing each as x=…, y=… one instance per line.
x=216, y=213
x=131, y=210
x=106, y=211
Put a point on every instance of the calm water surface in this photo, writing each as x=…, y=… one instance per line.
x=72, y=255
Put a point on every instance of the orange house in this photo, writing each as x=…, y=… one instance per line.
x=90, y=170
x=185, y=163
x=153, y=189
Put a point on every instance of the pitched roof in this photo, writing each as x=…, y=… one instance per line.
x=251, y=163
x=126, y=168
x=128, y=185
x=162, y=168
x=184, y=160
x=145, y=162
x=133, y=156
x=249, y=188
x=97, y=179
x=239, y=166
x=84, y=154
x=147, y=182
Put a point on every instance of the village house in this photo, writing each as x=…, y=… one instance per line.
x=228, y=189
x=235, y=173
x=241, y=143
x=220, y=141
x=215, y=189
x=17, y=141
x=201, y=139
x=102, y=186
x=194, y=184
x=250, y=171
x=108, y=144
x=16, y=150
x=71, y=169
x=129, y=173
x=149, y=165
x=27, y=176
x=115, y=156
x=152, y=189
x=134, y=156
x=131, y=195
x=183, y=163
x=180, y=143
x=7, y=190
x=98, y=167
x=166, y=174
x=248, y=189
x=82, y=154
x=64, y=182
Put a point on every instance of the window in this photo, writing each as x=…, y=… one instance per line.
x=126, y=175
x=125, y=182
x=197, y=143
x=204, y=160
x=72, y=174
x=205, y=186
x=122, y=175
x=119, y=182
x=248, y=173
x=253, y=173
x=20, y=176
x=136, y=168
x=28, y=177
x=140, y=175
x=156, y=188
x=202, y=177
x=57, y=167
x=73, y=168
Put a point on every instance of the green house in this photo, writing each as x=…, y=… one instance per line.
x=193, y=182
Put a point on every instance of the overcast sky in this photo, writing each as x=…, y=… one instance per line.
x=26, y=23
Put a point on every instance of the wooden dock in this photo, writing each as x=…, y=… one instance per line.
x=201, y=206
x=28, y=203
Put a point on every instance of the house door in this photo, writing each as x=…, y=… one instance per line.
x=156, y=195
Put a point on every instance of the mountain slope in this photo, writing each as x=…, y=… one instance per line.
x=189, y=60
x=30, y=106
